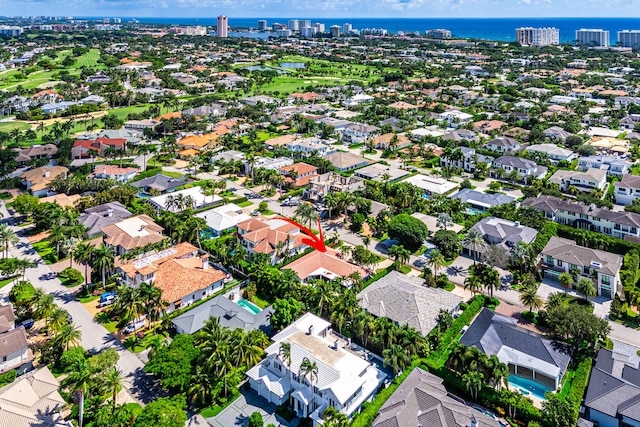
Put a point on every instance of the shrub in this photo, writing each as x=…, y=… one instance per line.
x=8, y=377
x=410, y=231
x=238, y=200
x=71, y=277
x=255, y=420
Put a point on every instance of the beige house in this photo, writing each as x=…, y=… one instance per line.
x=38, y=180
x=131, y=233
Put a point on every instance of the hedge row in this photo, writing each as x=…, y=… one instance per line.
x=579, y=384
x=449, y=337
x=596, y=240
x=8, y=377
x=238, y=200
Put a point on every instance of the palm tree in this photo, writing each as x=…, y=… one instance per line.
x=284, y=353
x=586, y=288
x=305, y=212
x=529, y=297
x=473, y=284
x=82, y=255
x=79, y=381
x=57, y=319
x=436, y=261
x=444, y=221
x=70, y=246
x=113, y=381
x=103, y=259
x=475, y=242
x=22, y=264
x=396, y=357
x=473, y=383
x=385, y=331
x=44, y=305
x=151, y=301
x=399, y=254
x=331, y=202
x=68, y=336
x=8, y=238
x=566, y=281
x=309, y=370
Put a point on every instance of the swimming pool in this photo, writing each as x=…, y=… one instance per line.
x=249, y=306
x=528, y=387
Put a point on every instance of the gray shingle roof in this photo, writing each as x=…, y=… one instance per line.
x=405, y=300
x=159, y=182
x=421, y=399
x=228, y=313
x=97, y=217
x=491, y=331
x=567, y=250
x=503, y=232
x=467, y=195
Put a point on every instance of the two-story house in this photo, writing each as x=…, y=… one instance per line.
x=587, y=217
x=34, y=152
x=356, y=133
x=466, y=160
x=614, y=166
x=501, y=232
x=455, y=118
x=505, y=166
x=182, y=275
x=504, y=144
x=39, y=179
x=271, y=236
x=556, y=132
x=627, y=190
x=564, y=256
x=14, y=351
x=308, y=146
x=343, y=379
x=589, y=180
x=136, y=232
x=299, y=174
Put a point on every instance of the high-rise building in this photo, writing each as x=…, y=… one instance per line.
x=629, y=38
x=294, y=25
x=335, y=30
x=346, y=28
x=8, y=30
x=223, y=26
x=262, y=25
x=439, y=34
x=308, y=31
x=529, y=36
x=592, y=37
x=319, y=27
x=305, y=23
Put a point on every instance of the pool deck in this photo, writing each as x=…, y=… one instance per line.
x=537, y=402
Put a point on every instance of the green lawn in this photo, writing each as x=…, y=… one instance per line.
x=5, y=282
x=245, y=204
x=214, y=410
x=89, y=59
x=46, y=251
x=88, y=299
x=9, y=126
x=132, y=343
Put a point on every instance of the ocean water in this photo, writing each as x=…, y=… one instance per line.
x=502, y=29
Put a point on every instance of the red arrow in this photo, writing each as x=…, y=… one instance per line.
x=315, y=241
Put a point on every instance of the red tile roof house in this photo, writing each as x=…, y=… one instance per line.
x=116, y=173
x=324, y=265
x=81, y=147
x=303, y=173
x=271, y=236
x=182, y=275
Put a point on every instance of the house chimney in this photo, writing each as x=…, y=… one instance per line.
x=109, y=213
x=205, y=261
x=310, y=329
x=47, y=173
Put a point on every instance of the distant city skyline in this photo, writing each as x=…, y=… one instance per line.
x=325, y=8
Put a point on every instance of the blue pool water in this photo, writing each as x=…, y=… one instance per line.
x=528, y=387
x=250, y=307
x=474, y=211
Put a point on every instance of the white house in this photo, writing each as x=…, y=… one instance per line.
x=525, y=168
x=552, y=151
x=614, y=166
x=178, y=201
x=223, y=218
x=431, y=185
x=503, y=144
x=115, y=173
x=584, y=181
x=455, y=118
x=627, y=190
x=358, y=99
x=344, y=379
x=308, y=146
x=15, y=352
x=355, y=133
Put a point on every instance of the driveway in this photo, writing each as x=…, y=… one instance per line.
x=94, y=336
x=237, y=414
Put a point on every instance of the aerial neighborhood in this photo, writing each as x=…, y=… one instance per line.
x=316, y=228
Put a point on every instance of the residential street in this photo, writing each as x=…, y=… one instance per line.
x=94, y=336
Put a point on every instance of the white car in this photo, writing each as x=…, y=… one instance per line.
x=134, y=326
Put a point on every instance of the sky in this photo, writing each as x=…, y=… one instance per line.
x=324, y=8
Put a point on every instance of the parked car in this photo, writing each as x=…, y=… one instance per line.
x=134, y=326
x=105, y=302
x=27, y=324
x=107, y=295
x=255, y=213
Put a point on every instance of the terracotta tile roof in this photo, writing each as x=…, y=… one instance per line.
x=134, y=232
x=323, y=263
x=300, y=168
x=189, y=152
x=112, y=170
x=168, y=116
x=140, y=266
x=266, y=233
x=178, y=278
x=199, y=141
